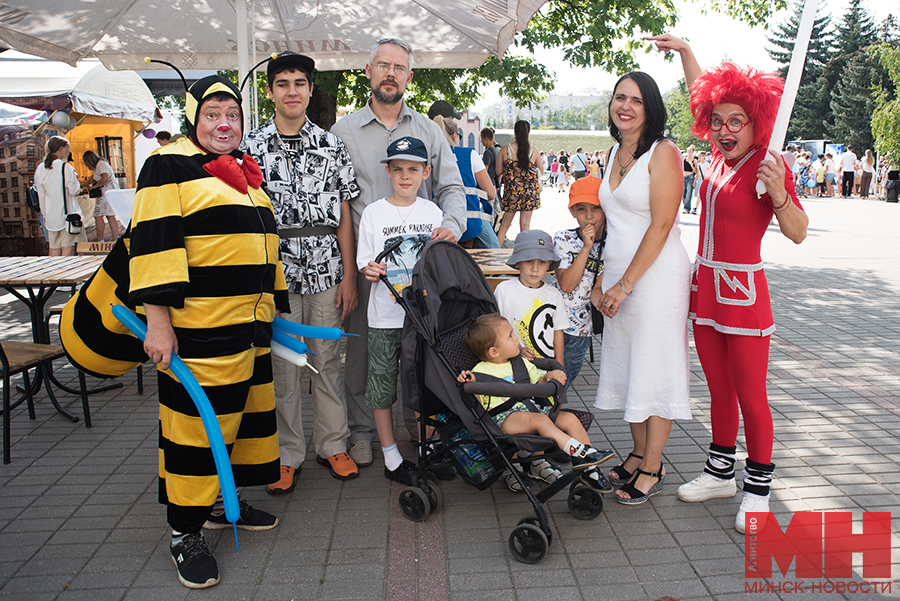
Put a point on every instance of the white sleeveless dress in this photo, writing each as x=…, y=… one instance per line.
x=644, y=367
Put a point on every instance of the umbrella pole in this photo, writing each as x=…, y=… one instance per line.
x=255, y=93
x=240, y=12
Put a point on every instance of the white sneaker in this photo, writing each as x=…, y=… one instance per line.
x=705, y=487
x=542, y=470
x=751, y=503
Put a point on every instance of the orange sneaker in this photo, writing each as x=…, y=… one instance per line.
x=341, y=466
x=286, y=483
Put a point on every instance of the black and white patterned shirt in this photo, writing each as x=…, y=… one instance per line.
x=568, y=244
x=307, y=177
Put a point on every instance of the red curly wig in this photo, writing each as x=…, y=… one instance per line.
x=756, y=92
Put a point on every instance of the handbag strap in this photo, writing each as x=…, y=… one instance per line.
x=63, y=169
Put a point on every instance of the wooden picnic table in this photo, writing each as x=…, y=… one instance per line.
x=492, y=262
x=40, y=277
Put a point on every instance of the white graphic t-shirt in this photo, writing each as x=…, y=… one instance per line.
x=535, y=314
x=380, y=225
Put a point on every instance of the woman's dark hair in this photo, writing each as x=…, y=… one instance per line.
x=53, y=146
x=523, y=153
x=91, y=159
x=654, y=112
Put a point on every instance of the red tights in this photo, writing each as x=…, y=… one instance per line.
x=735, y=368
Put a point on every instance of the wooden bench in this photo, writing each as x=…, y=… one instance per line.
x=19, y=357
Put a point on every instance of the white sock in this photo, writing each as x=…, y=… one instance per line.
x=574, y=448
x=176, y=537
x=392, y=457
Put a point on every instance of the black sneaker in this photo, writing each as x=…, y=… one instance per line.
x=405, y=473
x=197, y=567
x=251, y=519
x=596, y=480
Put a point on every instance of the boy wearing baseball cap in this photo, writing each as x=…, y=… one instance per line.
x=580, y=269
x=407, y=216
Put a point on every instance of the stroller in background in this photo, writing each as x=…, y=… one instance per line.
x=447, y=291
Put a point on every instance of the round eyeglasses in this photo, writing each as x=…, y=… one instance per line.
x=734, y=125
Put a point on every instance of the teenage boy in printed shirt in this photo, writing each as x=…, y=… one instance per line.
x=310, y=179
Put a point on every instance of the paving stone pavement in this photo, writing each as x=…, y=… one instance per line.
x=79, y=517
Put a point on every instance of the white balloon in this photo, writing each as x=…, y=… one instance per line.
x=60, y=119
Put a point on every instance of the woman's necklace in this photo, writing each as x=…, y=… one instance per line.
x=402, y=218
x=623, y=168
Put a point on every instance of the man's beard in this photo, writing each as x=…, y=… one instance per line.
x=385, y=98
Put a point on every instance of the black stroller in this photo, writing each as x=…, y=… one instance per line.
x=447, y=291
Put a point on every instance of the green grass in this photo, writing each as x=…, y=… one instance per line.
x=546, y=140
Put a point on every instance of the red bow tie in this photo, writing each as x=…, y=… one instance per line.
x=237, y=175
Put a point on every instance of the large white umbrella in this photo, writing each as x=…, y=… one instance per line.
x=206, y=34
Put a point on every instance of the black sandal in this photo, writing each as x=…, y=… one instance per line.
x=619, y=476
x=638, y=497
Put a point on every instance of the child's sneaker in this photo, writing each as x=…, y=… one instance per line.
x=197, y=567
x=542, y=470
x=589, y=457
x=596, y=480
x=251, y=519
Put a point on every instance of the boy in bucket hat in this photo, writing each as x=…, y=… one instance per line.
x=536, y=309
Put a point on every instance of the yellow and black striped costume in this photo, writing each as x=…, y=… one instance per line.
x=209, y=253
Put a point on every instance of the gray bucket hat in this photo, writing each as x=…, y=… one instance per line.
x=534, y=244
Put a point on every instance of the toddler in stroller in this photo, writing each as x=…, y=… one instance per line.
x=492, y=339
x=447, y=292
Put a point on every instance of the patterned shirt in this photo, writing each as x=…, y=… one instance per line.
x=307, y=177
x=568, y=244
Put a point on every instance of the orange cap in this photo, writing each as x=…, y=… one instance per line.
x=585, y=189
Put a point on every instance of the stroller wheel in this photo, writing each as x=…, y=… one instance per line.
x=584, y=502
x=536, y=522
x=414, y=504
x=528, y=543
x=433, y=492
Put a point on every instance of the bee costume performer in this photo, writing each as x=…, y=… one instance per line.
x=203, y=245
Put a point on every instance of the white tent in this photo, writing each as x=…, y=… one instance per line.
x=89, y=88
x=206, y=34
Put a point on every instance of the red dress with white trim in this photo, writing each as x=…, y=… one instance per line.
x=728, y=285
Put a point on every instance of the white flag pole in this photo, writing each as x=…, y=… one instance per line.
x=791, y=84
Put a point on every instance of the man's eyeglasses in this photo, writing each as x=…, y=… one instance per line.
x=734, y=125
x=398, y=69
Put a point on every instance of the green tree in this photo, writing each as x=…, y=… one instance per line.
x=886, y=118
x=601, y=33
x=852, y=101
x=679, y=121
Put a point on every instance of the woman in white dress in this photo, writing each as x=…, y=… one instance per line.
x=645, y=286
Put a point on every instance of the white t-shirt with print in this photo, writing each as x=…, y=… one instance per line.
x=568, y=243
x=535, y=313
x=380, y=225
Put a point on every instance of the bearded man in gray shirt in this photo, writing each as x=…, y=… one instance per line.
x=367, y=134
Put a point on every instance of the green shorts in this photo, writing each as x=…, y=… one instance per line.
x=498, y=419
x=384, y=367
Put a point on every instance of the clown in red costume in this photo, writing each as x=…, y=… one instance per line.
x=734, y=108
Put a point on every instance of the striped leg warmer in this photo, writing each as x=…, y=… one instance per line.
x=720, y=463
x=758, y=478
